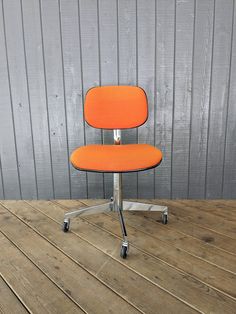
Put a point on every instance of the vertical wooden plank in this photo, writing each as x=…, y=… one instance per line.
x=108, y=63
x=182, y=97
x=91, y=77
x=200, y=97
x=44, y=78
x=229, y=183
x=127, y=44
x=219, y=97
x=2, y=196
x=37, y=94
x=146, y=74
x=20, y=97
x=7, y=131
x=55, y=96
x=73, y=89
x=165, y=33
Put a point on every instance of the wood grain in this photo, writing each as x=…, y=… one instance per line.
x=146, y=79
x=185, y=243
x=1, y=182
x=127, y=41
x=71, y=49
x=38, y=97
x=111, y=273
x=224, y=211
x=181, y=52
x=184, y=30
x=164, y=93
x=51, y=32
x=9, y=303
x=180, y=272
x=229, y=180
x=206, y=272
x=9, y=156
x=20, y=102
x=145, y=264
x=201, y=76
x=204, y=219
x=75, y=281
x=108, y=52
x=219, y=98
x=30, y=284
x=88, y=15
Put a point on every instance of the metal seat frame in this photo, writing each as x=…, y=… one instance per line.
x=117, y=204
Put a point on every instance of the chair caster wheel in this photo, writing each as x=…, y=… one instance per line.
x=164, y=219
x=111, y=203
x=66, y=225
x=124, y=250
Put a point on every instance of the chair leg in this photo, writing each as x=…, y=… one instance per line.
x=85, y=212
x=118, y=206
x=137, y=206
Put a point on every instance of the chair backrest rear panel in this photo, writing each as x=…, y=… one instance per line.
x=116, y=107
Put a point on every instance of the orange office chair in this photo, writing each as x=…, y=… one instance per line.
x=116, y=108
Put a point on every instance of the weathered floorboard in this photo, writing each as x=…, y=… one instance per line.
x=181, y=271
x=186, y=243
x=9, y=303
x=30, y=284
x=76, y=282
x=223, y=210
x=206, y=272
x=207, y=220
x=118, y=278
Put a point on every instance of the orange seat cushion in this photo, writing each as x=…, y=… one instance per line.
x=116, y=107
x=116, y=158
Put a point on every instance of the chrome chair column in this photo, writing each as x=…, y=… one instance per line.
x=118, y=200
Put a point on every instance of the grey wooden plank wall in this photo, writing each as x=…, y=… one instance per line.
x=183, y=53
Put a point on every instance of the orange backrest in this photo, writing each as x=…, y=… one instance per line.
x=116, y=107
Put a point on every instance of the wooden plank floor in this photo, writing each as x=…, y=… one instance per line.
x=187, y=266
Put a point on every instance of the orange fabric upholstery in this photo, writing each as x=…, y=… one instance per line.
x=116, y=107
x=116, y=158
